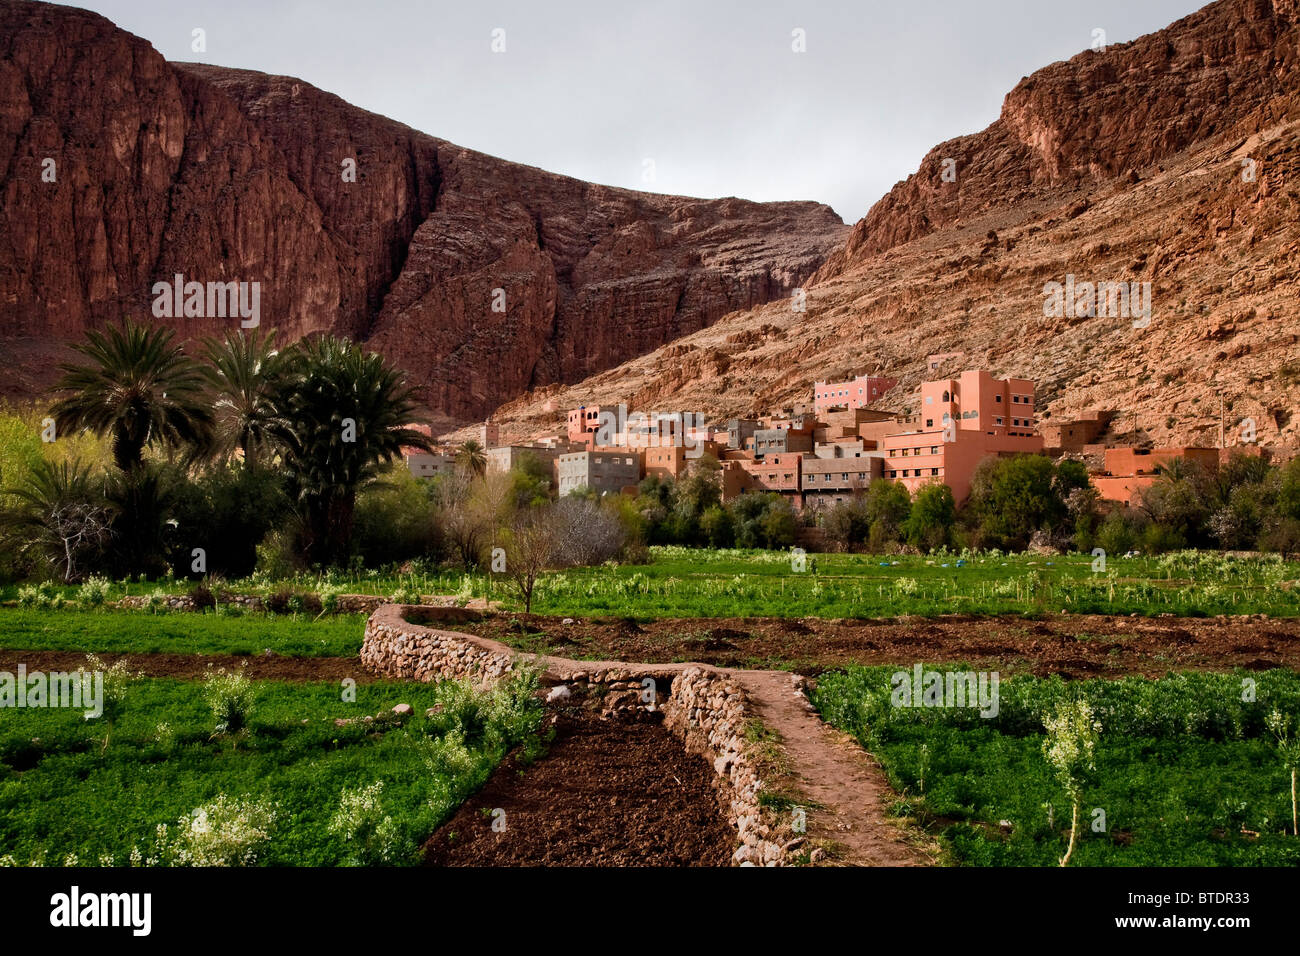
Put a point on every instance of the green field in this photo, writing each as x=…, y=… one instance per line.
x=710, y=583
x=1183, y=765
x=702, y=582
x=141, y=632
x=65, y=798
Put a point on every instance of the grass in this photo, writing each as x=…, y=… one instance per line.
x=702, y=582
x=140, y=632
x=63, y=800
x=684, y=582
x=1186, y=773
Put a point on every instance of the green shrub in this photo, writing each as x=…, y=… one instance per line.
x=94, y=591
x=231, y=696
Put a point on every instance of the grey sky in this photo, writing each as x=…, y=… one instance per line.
x=711, y=91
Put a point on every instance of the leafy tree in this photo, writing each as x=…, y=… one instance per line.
x=1288, y=495
x=1011, y=498
x=717, y=527
x=845, y=522
x=779, y=524
x=934, y=512
x=530, y=481
x=227, y=512
x=244, y=372
x=396, y=519
x=1178, y=501
x=137, y=387
x=344, y=417
x=1118, y=532
x=888, y=504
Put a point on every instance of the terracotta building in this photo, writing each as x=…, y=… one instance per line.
x=828, y=480
x=860, y=392
x=584, y=421
x=1074, y=435
x=780, y=473
x=963, y=421
x=1128, y=471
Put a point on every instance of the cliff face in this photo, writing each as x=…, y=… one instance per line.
x=1173, y=161
x=230, y=175
x=1094, y=117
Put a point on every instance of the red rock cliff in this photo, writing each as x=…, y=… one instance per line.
x=1095, y=117
x=224, y=175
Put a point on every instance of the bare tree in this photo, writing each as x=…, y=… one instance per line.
x=586, y=533
x=531, y=546
x=60, y=514
x=80, y=527
x=471, y=508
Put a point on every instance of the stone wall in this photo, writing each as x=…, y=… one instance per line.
x=704, y=707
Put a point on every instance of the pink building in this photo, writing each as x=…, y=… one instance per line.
x=963, y=421
x=584, y=422
x=861, y=392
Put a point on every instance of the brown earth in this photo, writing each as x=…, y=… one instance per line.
x=619, y=792
x=224, y=174
x=1072, y=645
x=194, y=666
x=1128, y=165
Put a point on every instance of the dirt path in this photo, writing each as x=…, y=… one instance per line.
x=829, y=768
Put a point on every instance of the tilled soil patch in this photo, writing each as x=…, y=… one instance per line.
x=194, y=666
x=616, y=792
x=1086, y=645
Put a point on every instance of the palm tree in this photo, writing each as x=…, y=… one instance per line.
x=138, y=388
x=244, y=371
x=343, y=417
x=472, y=457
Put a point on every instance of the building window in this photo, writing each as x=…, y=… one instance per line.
x=998, y=399
x=934, y=471
x=945, y=396
x=998, y=420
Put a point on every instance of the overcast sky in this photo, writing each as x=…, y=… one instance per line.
x=711, y=91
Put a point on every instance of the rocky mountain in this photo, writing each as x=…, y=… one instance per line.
x=481, y=277
x=1173, y=161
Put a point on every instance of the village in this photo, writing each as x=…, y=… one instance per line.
x=832, y=448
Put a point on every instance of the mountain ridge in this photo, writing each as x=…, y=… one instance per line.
x=222, y=174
